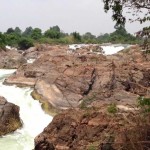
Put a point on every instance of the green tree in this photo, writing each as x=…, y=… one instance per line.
x=135, y=7
x=88, y=36
x=76, y=36
x=36, y=33
x=120, y=31
x=12, y=39
x=28, y=31
x=140, y=10
x=10, y=30
x=18, y=31
x=53, y=33
x=55, y=28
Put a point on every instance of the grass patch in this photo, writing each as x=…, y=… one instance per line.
x=112, y=108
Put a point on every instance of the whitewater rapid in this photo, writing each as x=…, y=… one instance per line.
x=33, y=117
x=107, y=49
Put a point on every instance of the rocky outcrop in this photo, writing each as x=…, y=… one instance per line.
x=11, y=59
x=9, y=117
x=91, y=129
x=83, y=78
x=20, y=81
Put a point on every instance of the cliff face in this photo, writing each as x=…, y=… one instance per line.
x=9, y=117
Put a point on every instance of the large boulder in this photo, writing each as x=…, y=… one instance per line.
x=11, y=59
x=9, y=117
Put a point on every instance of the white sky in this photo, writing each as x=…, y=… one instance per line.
x=70, y=15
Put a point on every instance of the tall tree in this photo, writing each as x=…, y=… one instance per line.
x=28, y=31
x=10, y=30
x=53, y=33
x=140, y=10
x=136, y=7
x=18, y=31
x=76, y=36
x=36, y=33
x=88, y=36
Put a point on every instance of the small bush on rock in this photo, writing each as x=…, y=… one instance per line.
x=112, y=108
x=144, y=104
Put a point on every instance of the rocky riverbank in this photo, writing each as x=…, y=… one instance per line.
x=70, y=79
x=84, y=79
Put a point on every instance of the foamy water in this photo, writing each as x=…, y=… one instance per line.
x=33, y=117
x=108, y=49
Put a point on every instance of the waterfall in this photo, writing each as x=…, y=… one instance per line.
x=33, y=117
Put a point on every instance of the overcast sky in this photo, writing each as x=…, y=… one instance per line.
x=70, y=15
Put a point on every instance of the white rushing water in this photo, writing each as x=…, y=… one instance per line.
x=30, y=61
x=112, y=49
x=33, y=117
x=108, y=49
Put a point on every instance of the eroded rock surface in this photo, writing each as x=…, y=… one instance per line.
x=9, y=117
x=11, y=59
x=65, y=78
x=78, y=130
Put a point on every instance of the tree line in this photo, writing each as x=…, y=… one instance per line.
x=54, y=35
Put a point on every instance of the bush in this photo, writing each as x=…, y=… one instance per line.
x=25, y=43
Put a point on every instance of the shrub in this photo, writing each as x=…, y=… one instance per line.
x=25, y=43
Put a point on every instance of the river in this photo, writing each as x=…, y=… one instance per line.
x=33, y=117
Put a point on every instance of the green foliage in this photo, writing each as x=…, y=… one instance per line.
x=76, y=37
x=18, y=31
x=25, y=43
x=36, y=33
x=28, y=31
x=53, y=33
x=135, y=7
x=2, y=40
x=120, y=35
x=112, y=108
x=12, y=39
x=10, y=30
x=144, y=104
x=88, y=36
x=140, y=11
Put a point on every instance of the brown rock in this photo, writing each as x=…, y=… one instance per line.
x=65, y=79
x=11, y=59
x=20, y=81
x=100, y=131
x=9, y=117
